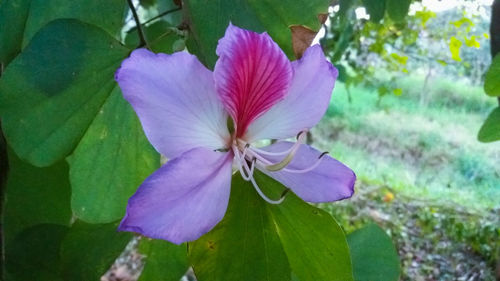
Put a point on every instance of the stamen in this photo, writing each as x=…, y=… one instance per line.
x=270, y=201
x=300, y=138
x=264, y=161
x=285, y=192
x=252, y=167
x=240, y=167
x=245, y=151
x=281, y=165
x=248, y=176
x=323, y=154
x=300, y=171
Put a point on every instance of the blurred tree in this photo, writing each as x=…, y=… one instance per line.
x=365, y=47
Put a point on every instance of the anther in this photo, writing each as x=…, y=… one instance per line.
x=310, y=168
x=284, y=193
x=298, y=135
x=288, y=158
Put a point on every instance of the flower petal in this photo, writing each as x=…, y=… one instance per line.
x=182, y=200
x=329, y=181
x=174, y=97
x=251, y=75
x=304, y=105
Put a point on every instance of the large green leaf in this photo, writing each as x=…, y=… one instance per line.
x=373, y=255
x=13, y=15
x=164, y=261
x=244, y=245
x=88, y=250
x=34, y=253
x=492, y=79
x=110, y=162
x=35, y=196
x=21, y=19
x=50, y=93
x=260, y=241
x=490, y=130
x=56, y=95
x=108, y=15
x=208, y=20
x=375, y=8
x=314, y=243
x=36, y=215
x=397, y=9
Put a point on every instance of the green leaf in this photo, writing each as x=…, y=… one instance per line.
x=343, y=74
x=373, y=255
x=157, y=7
x=34, y=253
x=397, y=9
x=244, y=245
x=110, y=162
x=168, y=5
x=346, y=8
x=375, y=8
x=455, y=45
x=164, y=261
x=260, y=241
x=88, y=250
x=51, y=93
x=345, y=22
x=209, y=20
x=21, y=19
x=492, y=79
x=35, y=196
x=161, y=36
x=314, y=243
x=472, y=42
x=50, y=97
x=108, y=15
x=490, y=130
x=13, y=15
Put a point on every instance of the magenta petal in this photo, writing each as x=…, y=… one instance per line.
x=330, y=181
x=174, y=97
x=251, y=75
x=304, y=105
x=182, y=200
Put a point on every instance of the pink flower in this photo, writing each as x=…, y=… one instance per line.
x=184, y=109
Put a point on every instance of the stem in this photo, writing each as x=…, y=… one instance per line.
x=495, y=31
x=162, y=14
x=142, y=38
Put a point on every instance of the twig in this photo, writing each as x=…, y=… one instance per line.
x=142, y=38
x=162, y=14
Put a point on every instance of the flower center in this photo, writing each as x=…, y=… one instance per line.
x=247, y=157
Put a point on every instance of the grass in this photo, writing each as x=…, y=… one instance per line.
x=425, y=149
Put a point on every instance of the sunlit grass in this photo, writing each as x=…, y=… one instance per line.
x=427, y=150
